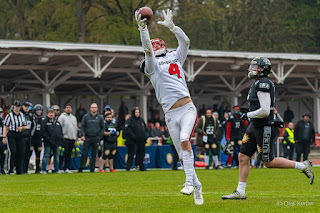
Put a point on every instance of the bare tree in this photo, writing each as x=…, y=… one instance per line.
x=82, y=8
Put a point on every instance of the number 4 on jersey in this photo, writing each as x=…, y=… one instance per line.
x=174, y=69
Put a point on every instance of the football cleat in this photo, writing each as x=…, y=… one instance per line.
x=67, y=171
x=188, y=189
x=235, y=196
x=197, y=195
x=101, y=171
x=308, y=170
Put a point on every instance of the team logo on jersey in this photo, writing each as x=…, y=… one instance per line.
x=169, y=158
x=232, y=143
x=207, y=146
x=245, y=138
x=239, y=142
x=214, y=146
x=264, y=86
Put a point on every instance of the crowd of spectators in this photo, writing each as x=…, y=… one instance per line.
x=58, y=133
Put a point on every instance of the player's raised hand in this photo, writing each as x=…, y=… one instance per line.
x=141, y=23
x=167, y=22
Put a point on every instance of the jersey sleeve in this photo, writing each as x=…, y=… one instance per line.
x=150, y=59
x=183, y=42
x=264, y=85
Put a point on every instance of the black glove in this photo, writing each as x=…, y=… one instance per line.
x=244, y=117
x=244, y=109
x=278, y=123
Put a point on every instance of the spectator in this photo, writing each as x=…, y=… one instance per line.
x=15, y=122
x=208, y=128
x=123, y=111
x=27, y=133
x=304, y=135
x=156, y=132
x=288, y=141
x=3, y=147
x=56, y=109
x=81, y=111
x=52, y=137
x=69, y=130
x=36, y=135
x=110, y=136
x=136, y=134
x=288, y=115
x=234, y=134
x=92, y=128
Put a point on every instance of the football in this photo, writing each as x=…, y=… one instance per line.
x=146, y=12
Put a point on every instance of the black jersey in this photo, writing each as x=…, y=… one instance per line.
x=263, y=85
x=236, y=126
x=37, y=129
x=29, y=121
x=112, y=128
x=209, y=129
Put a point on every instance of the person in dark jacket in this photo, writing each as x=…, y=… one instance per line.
x=92, y=129
x=136, y=137
x=304, y=135
x=52, y=137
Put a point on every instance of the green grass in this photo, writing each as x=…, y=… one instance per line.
x=158, y=191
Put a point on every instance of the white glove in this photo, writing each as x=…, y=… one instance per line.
x=141, y=23
x=167, y=22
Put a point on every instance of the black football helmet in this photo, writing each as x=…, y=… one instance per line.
x=262, y=63
x=38, y=109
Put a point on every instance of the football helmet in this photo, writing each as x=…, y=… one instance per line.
x=38, y=109
x=227, y=148
x=159, y=47
x=259, y=67
x=56, y=107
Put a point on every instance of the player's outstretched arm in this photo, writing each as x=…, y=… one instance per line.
x=183, y=39
x=146, y=43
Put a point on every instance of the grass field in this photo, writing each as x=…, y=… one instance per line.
x=268, y=190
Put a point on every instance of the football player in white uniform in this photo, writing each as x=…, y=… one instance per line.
x=167, y=77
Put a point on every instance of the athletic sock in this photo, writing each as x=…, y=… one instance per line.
x=229, y=160
x=242, y=187
x=215, y=160
x=188, y=166
x=206, y=159
x=299, y=166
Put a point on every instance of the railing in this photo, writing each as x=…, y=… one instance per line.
x=160, y=140
x=278, y=144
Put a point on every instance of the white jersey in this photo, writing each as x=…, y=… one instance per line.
x=166, y=72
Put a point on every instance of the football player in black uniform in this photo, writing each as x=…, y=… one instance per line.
x=260, y=131
x=36, y=135
x=3, y=147
x=110, y=136
x=234, y=134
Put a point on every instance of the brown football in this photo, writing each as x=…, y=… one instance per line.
x=146, y=12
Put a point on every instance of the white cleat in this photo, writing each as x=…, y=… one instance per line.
x=197, y=195
x=235, y=196
x=308, y=170
x=188, y=189
x=67, y=171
